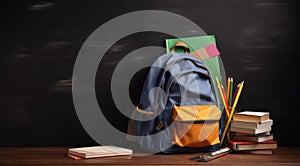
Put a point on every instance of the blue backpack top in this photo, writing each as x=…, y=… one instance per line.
x=177, y=111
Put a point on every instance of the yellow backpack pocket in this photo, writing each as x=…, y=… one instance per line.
x=196, y=125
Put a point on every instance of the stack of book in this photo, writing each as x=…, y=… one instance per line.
x=251, y=133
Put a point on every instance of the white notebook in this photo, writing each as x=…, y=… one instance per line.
x=100, y=151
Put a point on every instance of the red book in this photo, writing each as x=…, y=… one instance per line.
x=247, y=145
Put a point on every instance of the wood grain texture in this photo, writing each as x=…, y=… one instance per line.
x=57, y=156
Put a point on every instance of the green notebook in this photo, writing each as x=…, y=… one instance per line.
x=214, y=64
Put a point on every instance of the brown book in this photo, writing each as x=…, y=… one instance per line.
x=254, y=138
x=251, y=116
x=259, y=151
x=248, y=145
x=237, y=133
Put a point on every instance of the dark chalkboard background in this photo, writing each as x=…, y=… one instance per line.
x=40, y=41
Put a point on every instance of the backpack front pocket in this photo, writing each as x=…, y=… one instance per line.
x=195, y=126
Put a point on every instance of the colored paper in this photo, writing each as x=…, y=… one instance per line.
x=212, y=50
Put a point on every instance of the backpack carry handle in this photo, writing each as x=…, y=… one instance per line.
x=187, y=50
x=181, y=44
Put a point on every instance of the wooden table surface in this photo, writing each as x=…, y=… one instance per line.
x=57, y=156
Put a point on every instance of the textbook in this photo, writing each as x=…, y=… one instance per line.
x=252, y=125
x=251, y=116
x=99, y=151
x=258, y=151
x=250, y=131
x=254, y=138
x=248, y=145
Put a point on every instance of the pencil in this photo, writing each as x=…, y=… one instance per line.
x=227, y=124
x=222, y=96
x=227, y=90
x=235, y=92
x=73, y=156
x=232, y=111
x=230, y=93
x=238, y=95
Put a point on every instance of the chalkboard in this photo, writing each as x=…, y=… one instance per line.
x=40, y=41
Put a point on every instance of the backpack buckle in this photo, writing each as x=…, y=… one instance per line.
x=160, y=125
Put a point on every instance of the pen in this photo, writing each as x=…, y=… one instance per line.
x=211, y=155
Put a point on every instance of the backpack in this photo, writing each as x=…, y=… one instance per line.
x=177, y=111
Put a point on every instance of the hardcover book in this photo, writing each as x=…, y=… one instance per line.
x=248, y=145
x=250, y=131
x=259, y=151
x=251, y=116
x=252, y=125
x=254, y=138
